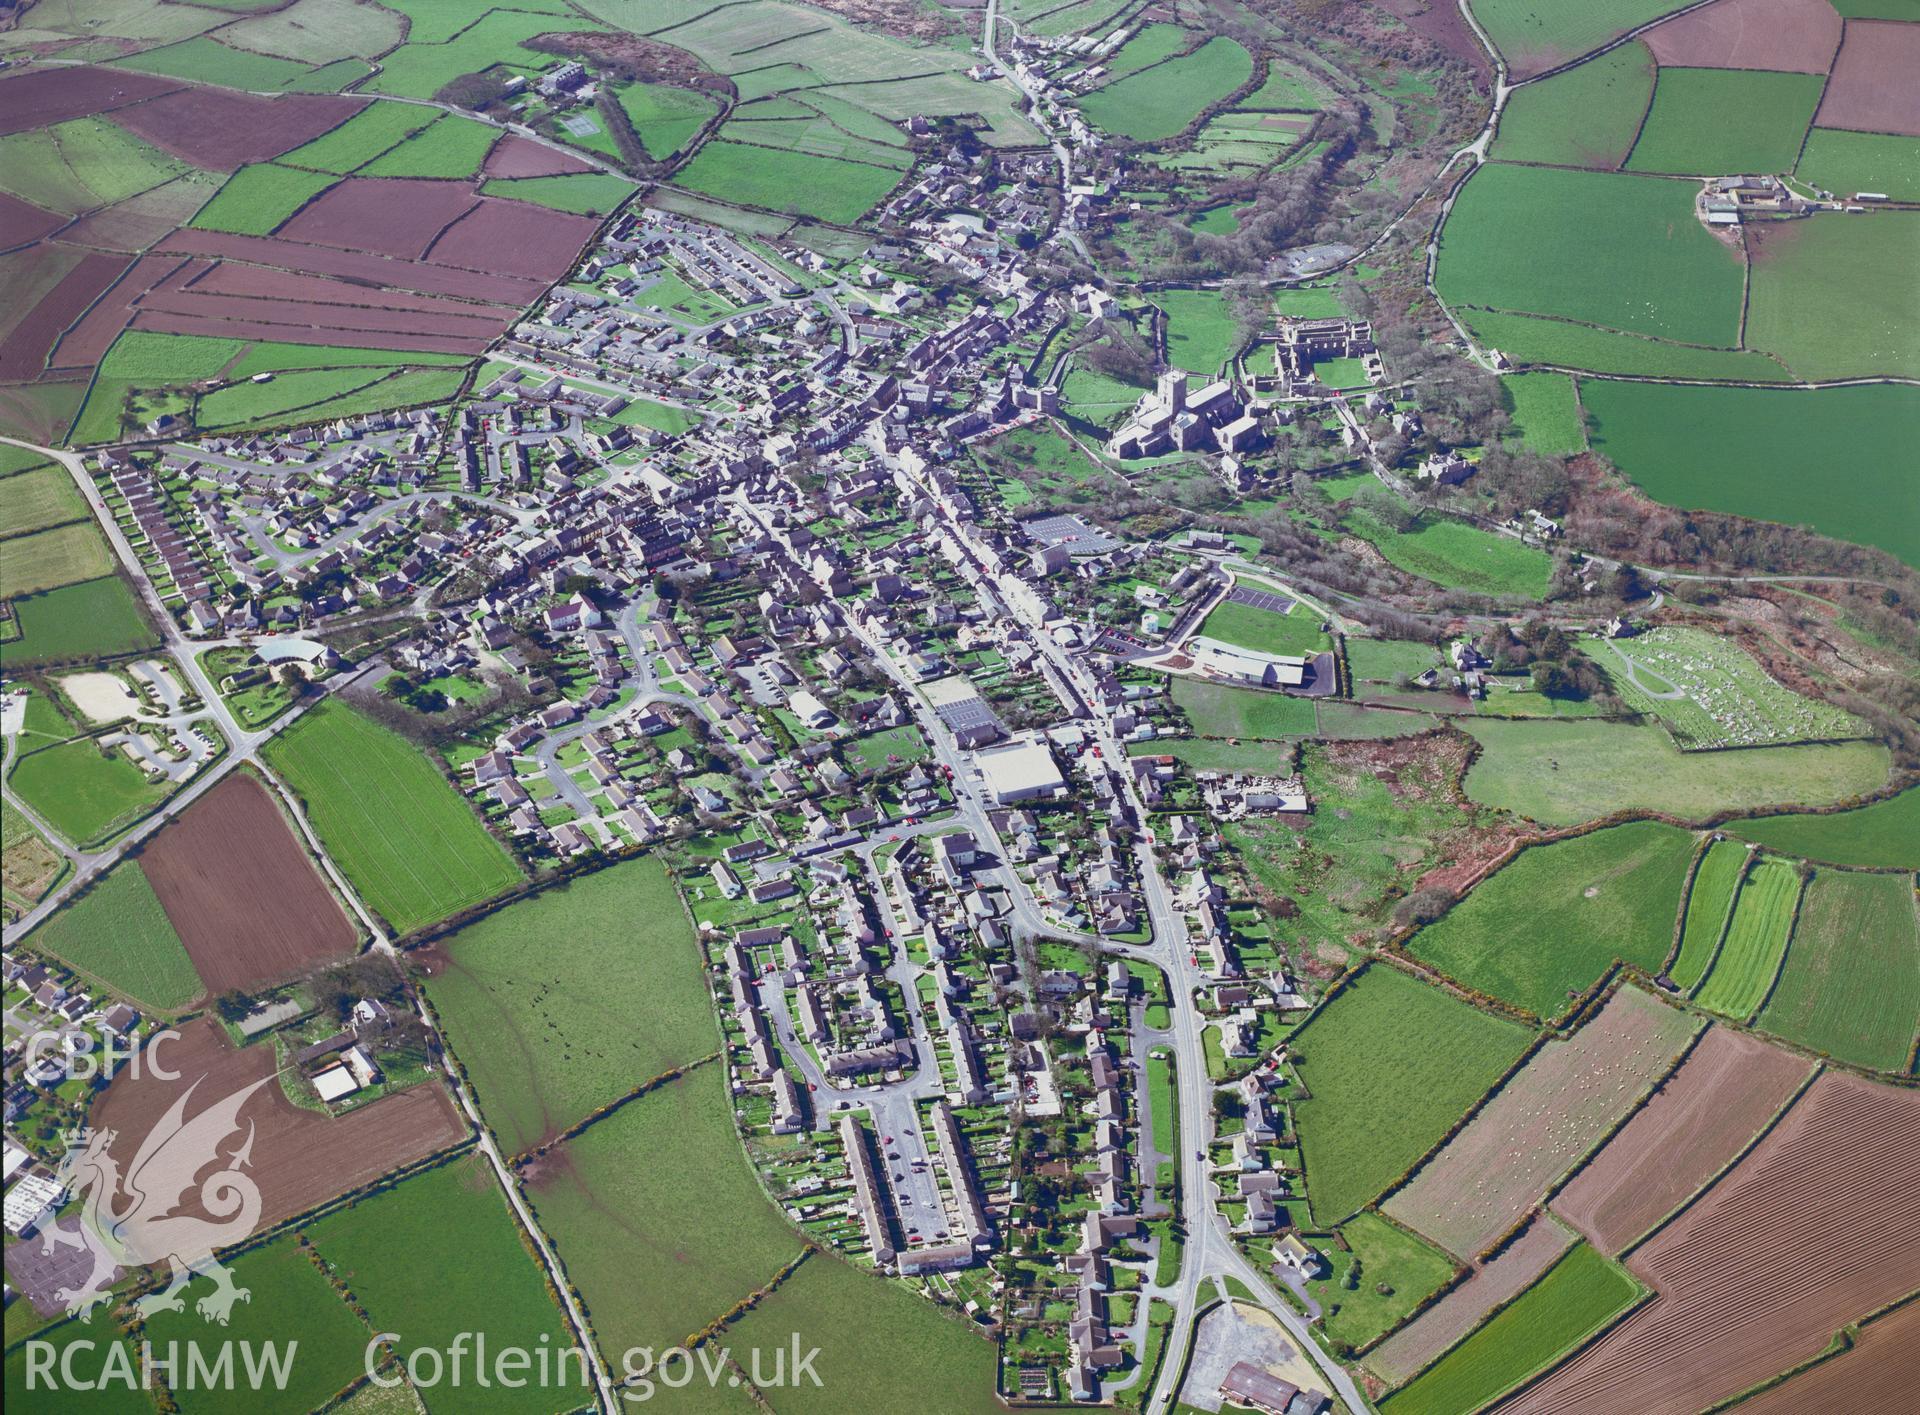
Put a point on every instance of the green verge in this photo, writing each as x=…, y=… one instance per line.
x=1546, y=926
x=1580, y=1295
x=615, y=996
x=405, y=837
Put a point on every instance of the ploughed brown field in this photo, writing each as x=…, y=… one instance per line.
x=1812, y=1230
x=1878, y=1377
x=1501, y=1279
x=241, y=893
x=1705, y=1113
x=300, y=1158
x=221, y=130
x=47, y=96
x=27, y=342
x=1872, y=89
x=515, y=156
x=1796, y=36
x=1542, y=1121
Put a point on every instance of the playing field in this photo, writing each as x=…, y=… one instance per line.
x=1621, y=251
x=1581, y=1294
x=1251, y=627
x=438, y=1255
x=118, y=933
x=657, y=1217
x=1586, y=117
x=1708, y=122
x=616, y=996
x=1544, y=928
x=1830, y=458
x=1565, y=772
x=1851, y=985
x=1376, y=1102
x=1885, y=835
x=402, y=835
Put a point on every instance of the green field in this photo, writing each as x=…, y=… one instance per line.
x=1708, y=905
x=1296, y=632
x=37, y=498
x=457, y=43
x=1586, y=117
x=582, y=193
x=882, y=1348
x=1287, y=89
x=118, y=933
x=286, y=1295
x=438, y=1255
x=1580, y=1294
x=1756, y=941
x=1564, y=772
x=1851, y=985
x=664, y=118
x=46, y=560
x=85, y=793
x=1458, y=556
x=1846, y=162
x=1526, y=339
x=1537, y=35
x=1834, y=459
x=258, y=198
x=450, y=147
x=824, y=188
x=98, y=619
x=1709, y=122
x=206, y=60
x=1216, y=710
x=88, y=1364
x=1833, y=295
x=1411, y=1268
x=1546, y=412
x=1885, y=835
x=1377, y=1101
x=248, y=402
x=1201, y=333
x=1605, y=248
x=1159, y=102
x=1546, y=927
x=1381, y=660
x=615, y=996
x=1148, y=46
x=361, y=138
x=658, y=1218
x=1207, y=754
x=405, y=838
x=1726, y=698
x=78, y=165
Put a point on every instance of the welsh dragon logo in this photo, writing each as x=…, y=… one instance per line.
x=132, y=1220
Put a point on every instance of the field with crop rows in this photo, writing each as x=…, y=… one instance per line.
x=1375, y=1102
x=1756, y=941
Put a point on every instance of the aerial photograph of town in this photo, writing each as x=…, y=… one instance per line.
x=936, y=707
